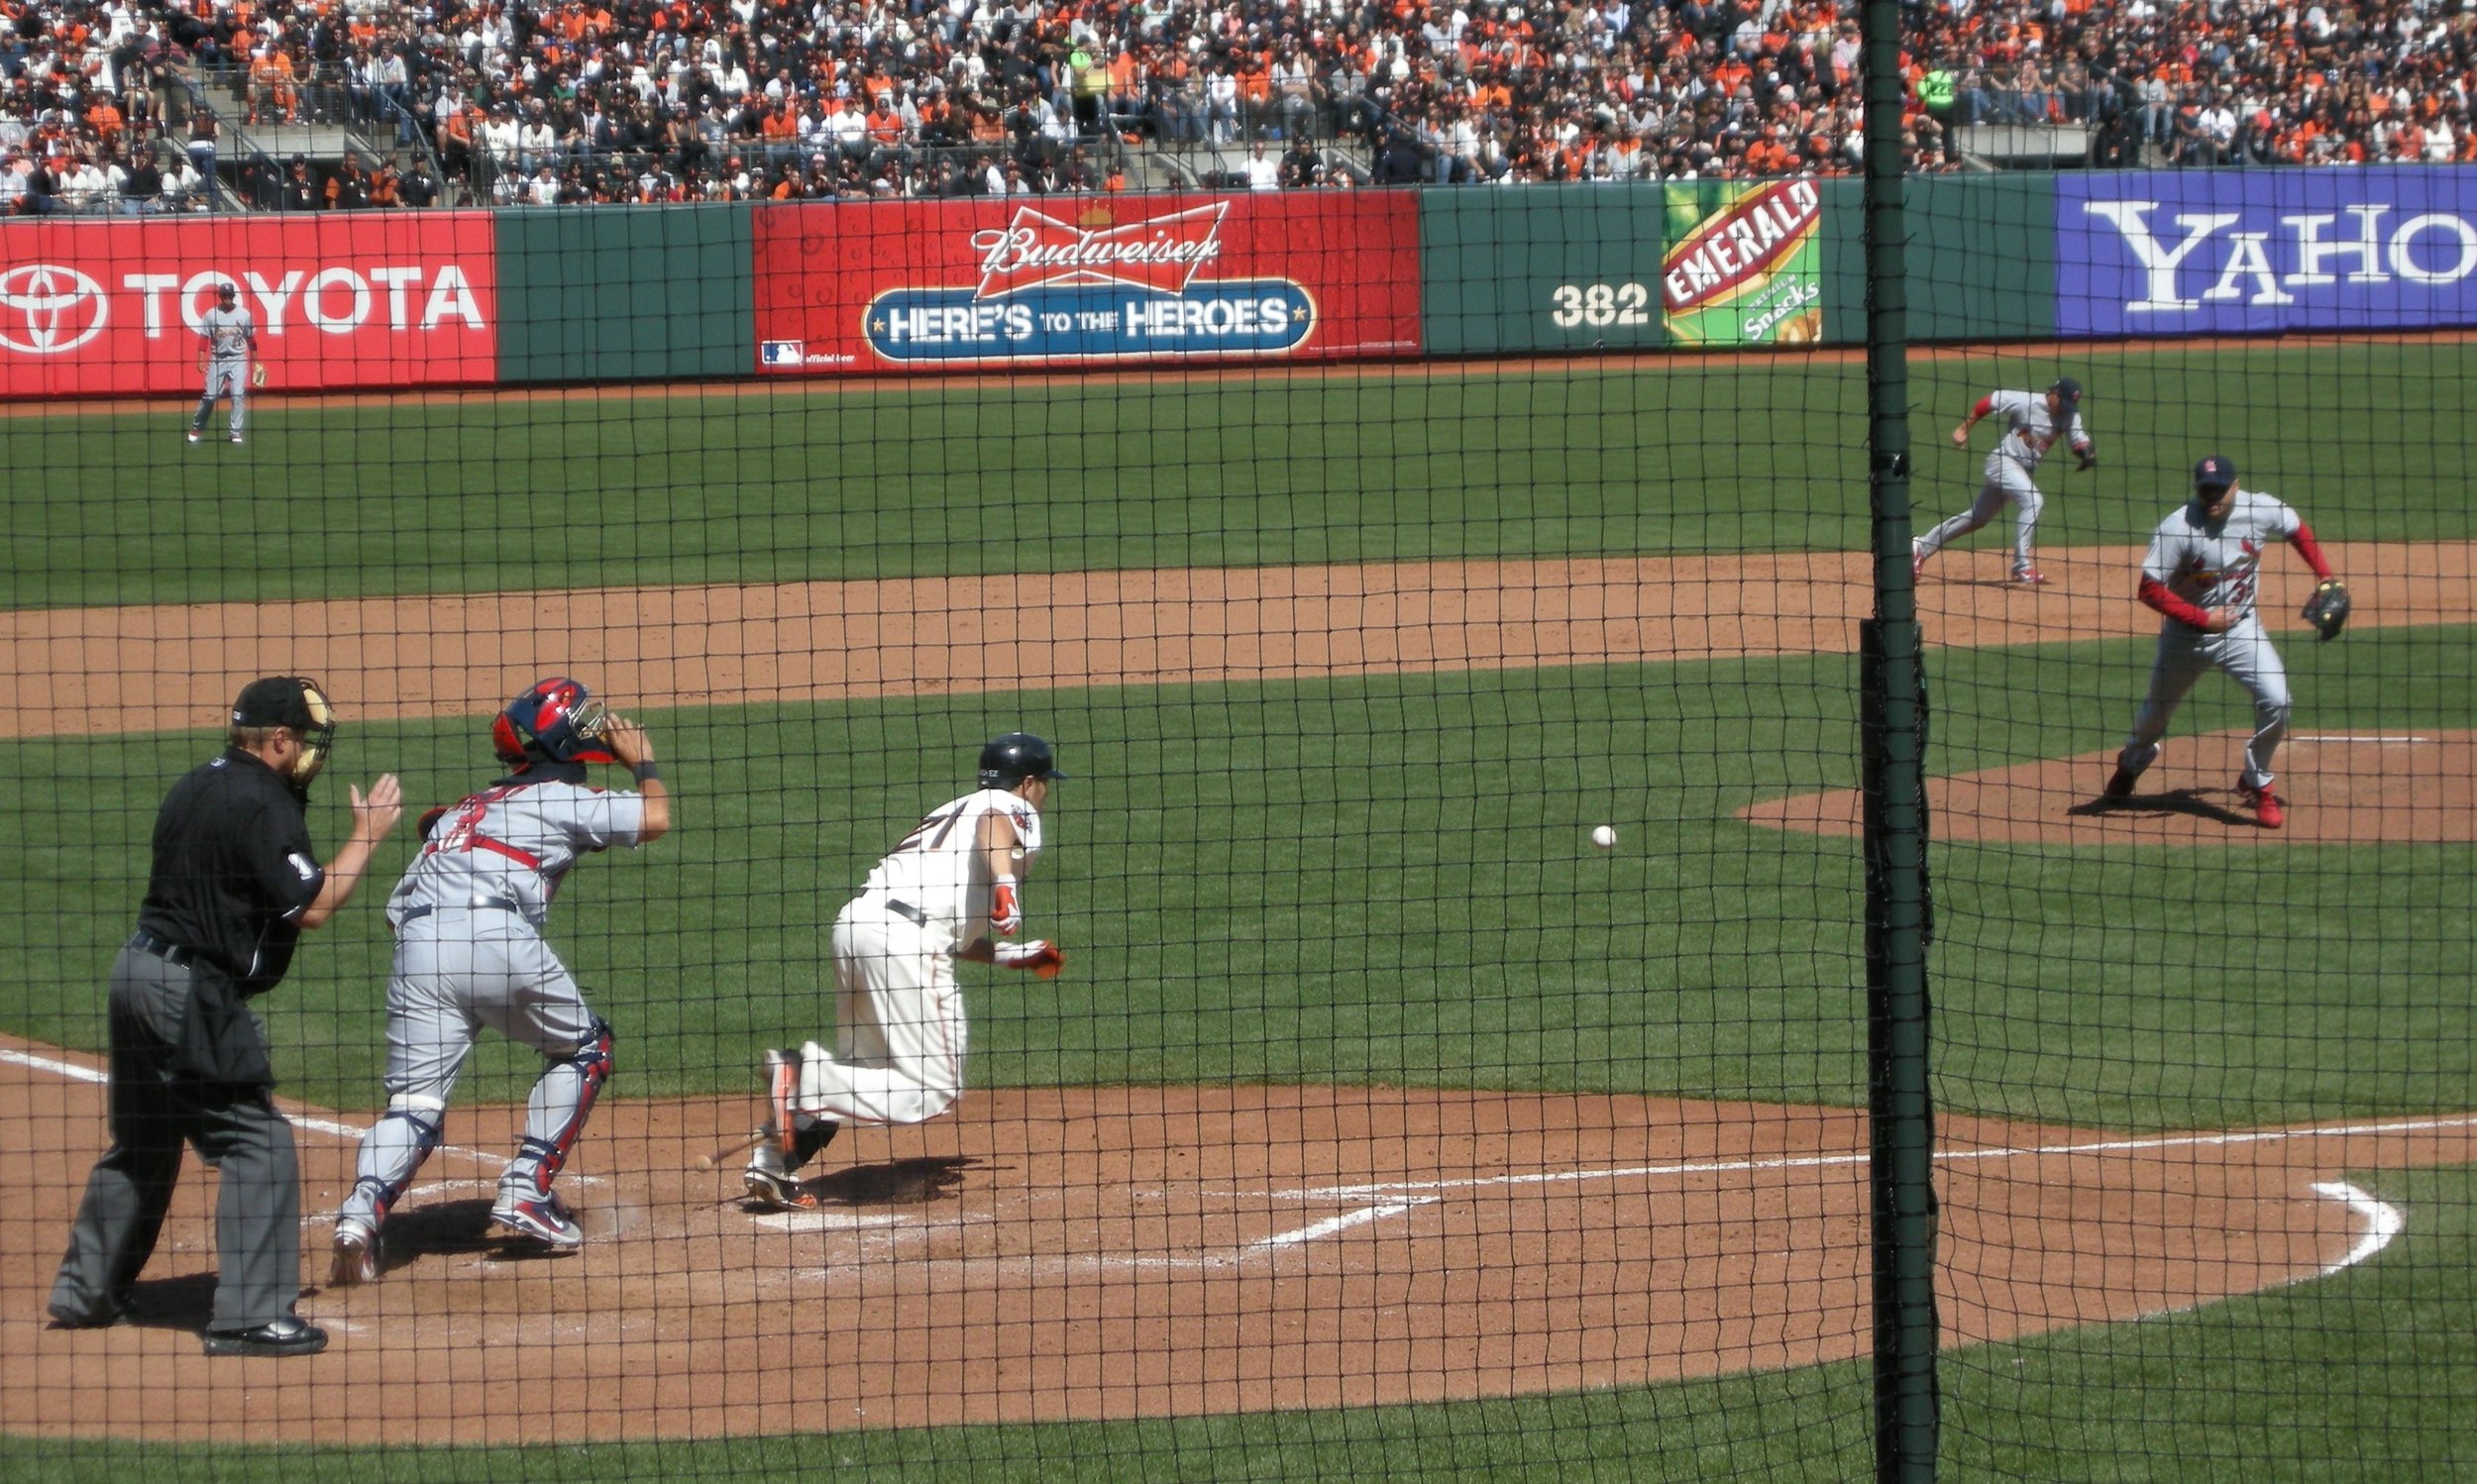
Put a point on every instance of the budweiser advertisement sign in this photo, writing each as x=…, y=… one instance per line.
x=1745, y=266
x=1086, y=279
x=366, y=300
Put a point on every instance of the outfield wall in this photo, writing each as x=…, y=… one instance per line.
x=384, y=300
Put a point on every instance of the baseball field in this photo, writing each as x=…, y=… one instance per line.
x=1381, y=1126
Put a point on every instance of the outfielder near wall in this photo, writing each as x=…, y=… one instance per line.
x=107, y=307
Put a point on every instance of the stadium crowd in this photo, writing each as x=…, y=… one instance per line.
x=556, y=101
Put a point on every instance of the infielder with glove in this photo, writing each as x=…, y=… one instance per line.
x=949, y=889
x=231, y=338
x=469, y=953
x=2033, y=423
x=2200, y=574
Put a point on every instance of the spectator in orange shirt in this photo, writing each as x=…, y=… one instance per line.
x=271, y=86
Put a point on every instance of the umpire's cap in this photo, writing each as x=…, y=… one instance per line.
x=1015, y=757
x=293, y=700
x=2067, y=390
x=2213, y=472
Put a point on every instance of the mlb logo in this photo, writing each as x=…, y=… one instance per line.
x=782, y=351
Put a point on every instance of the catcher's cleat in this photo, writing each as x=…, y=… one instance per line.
x=2264, y=803
x=2121, y=782
x=355, y=1259
x=545, y=1219
x=776, y=1189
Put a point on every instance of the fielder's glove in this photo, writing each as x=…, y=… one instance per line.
x=2327, y=608
x=2089, y=460
x=257, y=374
x=1045, y=960
x=1005, y=914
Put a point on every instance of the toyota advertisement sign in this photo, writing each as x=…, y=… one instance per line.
x=91, y=308
x=1086, y=280
x=2259, y=252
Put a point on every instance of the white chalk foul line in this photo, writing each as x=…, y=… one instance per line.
x=2344, y=739
x=311, y=1122
x=2382, y=1222
x=1831, y=1161
x=1341, y=1222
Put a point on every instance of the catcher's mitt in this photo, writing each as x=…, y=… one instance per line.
x=2327, y=608
x=257, y=374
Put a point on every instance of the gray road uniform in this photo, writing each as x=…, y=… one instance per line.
x=899, y=1028
x=2030, y=430
x=468, y=954
x=229, y=333
x=2215, y=566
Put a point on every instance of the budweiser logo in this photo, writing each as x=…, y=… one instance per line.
x=1740, y=247
x=1036, y=250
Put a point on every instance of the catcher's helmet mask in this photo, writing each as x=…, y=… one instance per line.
x=557, y=719
x=1009, y=759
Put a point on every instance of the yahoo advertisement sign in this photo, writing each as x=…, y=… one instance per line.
x=2258, y=252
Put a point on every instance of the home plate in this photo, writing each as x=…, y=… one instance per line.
x=825, y=1220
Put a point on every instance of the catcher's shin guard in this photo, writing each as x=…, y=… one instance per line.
x=562, y=1099
x=391, y=1153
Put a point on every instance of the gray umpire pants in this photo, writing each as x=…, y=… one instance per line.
x=154, y=1110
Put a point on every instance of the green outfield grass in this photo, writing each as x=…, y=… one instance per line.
x=482, y=495
x=1386, y=881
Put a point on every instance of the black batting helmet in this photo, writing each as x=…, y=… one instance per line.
x=1015, y=757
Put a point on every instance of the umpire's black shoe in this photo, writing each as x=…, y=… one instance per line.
x=288, y=1335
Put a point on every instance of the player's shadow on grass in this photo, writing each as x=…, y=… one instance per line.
x=2194, y=801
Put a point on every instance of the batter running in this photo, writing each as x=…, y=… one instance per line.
x=469, y=953
x=2033, y=423
x=2205, y=561
x=947, y=891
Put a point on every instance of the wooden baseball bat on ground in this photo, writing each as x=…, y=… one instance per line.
x=708, y=1161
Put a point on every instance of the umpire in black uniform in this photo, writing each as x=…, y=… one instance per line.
x=234, y=881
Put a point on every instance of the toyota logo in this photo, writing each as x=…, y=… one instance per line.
x=48, y=310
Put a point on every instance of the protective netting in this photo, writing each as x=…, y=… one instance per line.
x=1355, y=555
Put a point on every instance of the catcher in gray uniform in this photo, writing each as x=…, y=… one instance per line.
x=469, y=953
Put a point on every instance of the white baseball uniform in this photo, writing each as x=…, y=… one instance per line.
x=2215, y=565
x=900, y=1030
x=2030, y=430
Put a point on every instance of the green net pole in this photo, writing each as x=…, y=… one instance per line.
x=1893, y=714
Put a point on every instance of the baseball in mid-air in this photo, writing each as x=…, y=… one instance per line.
x=1604, y=837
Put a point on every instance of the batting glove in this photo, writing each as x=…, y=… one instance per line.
x=1005, y=914
x=1043, y=958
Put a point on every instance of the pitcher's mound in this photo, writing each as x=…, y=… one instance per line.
x=2396, y=788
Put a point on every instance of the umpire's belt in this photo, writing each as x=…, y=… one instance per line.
x=478, y=905
x=170, y=952
x=906, y=909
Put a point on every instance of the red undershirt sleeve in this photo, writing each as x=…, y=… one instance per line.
x=2157, y=594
